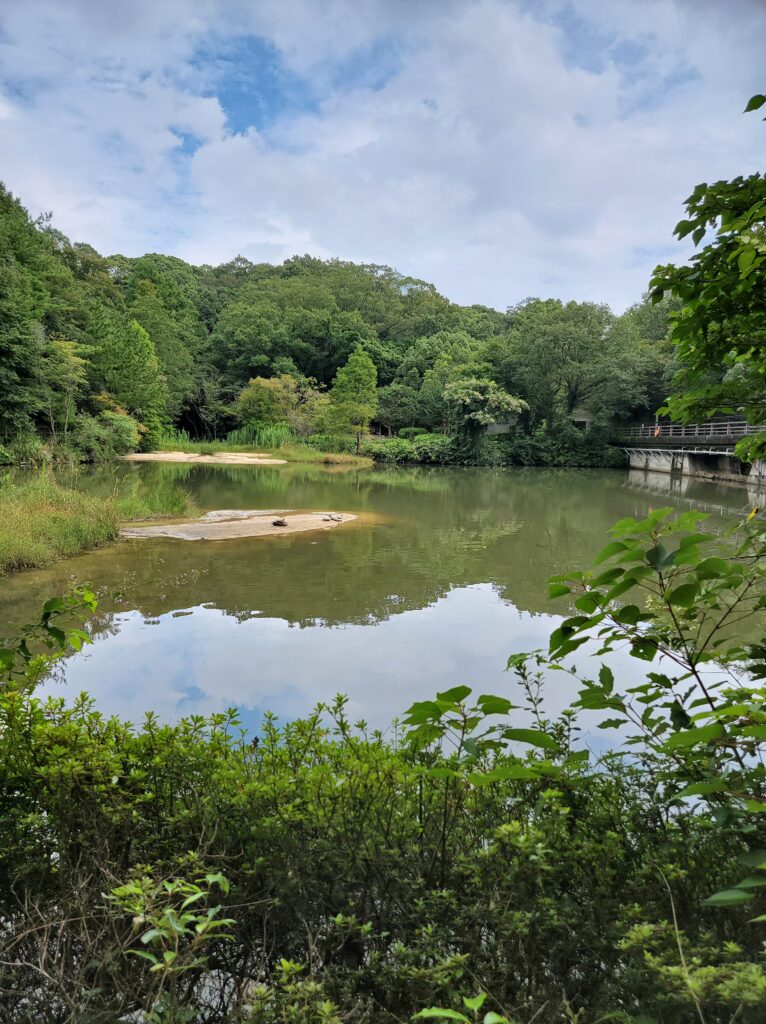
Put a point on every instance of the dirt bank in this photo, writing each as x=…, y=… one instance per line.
x=227, y=524
x=220, y=458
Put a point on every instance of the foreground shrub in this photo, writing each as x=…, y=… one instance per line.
x=393, y=875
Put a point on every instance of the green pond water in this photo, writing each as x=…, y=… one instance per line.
x=437, y=586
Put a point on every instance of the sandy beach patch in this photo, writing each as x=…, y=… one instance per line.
x=227, y=524
x=219, y=458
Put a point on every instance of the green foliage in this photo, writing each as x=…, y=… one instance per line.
x=434, y=448
x=353, y=396
x=720, y=333
x=262, y=435
x=41, y=521
x=389, y=449
x=105, y=436
x=27, y=657
x=477, y=402
x=559, y=357
x=176, y=346
x=283, y=401
x=126, y=363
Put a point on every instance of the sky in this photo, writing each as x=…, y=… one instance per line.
x=499, y=148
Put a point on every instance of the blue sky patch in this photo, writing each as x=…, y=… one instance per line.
x=249, y=78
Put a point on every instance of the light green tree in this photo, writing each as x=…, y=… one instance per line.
x=126, y=362
x=64, y=376
x=353, y=396
x=475, y=403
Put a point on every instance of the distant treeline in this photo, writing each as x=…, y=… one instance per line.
x=99, y=355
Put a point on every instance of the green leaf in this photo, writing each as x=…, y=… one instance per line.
x=752, y=882
x=476, y=1002
x=755, y=103
x=703, y=788
x=646, y=650
x=745, y=260
x=683, y=596
x=492, y=705
x=494, y=1018
x=757, y=732
x=630, y=615
x=753, y=859
x=194, y=898
x=659, y=557
x=712, y=568
x=608, y=576
x=435, y=1011
x=144, y=954
x=690, y=738
x=728, y=898
x=579, y=757
x=613, y=548
x=532, y=736
x=606, y=678
x=620, y=588
x=455, y=695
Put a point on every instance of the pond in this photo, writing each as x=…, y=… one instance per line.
x=435, y=586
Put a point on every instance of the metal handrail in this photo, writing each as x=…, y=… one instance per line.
x=719, y=428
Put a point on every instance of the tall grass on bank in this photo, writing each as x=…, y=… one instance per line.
x=273, y=439
x=41, y=521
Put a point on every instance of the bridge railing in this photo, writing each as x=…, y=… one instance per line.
x=715, y=429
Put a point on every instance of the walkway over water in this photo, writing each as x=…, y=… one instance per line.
x=717, y=435
x=703, y=450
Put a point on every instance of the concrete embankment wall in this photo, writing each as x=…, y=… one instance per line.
x=704, y=465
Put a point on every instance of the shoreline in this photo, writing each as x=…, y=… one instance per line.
x=217, y=458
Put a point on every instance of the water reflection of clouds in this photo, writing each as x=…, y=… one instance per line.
x=208, y=661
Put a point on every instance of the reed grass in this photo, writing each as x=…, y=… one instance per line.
x=272, y=439
x=41, y=521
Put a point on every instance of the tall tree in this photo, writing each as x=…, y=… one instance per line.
x=24, y=299
x=477, y=402
x=126, y=364
x=171, y=345
x=64, y=376
x=354, y=399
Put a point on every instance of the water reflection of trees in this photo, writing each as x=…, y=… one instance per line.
x=436, y=530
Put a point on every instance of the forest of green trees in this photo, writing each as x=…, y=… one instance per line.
x=101, y=355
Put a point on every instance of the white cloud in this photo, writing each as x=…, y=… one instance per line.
x=516, y=149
